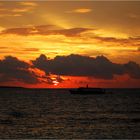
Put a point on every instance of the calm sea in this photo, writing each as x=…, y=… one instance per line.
x=57, y=114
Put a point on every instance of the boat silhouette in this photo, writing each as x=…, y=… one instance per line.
x=87, y=90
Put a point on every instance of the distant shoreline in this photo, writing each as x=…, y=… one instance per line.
x=11, y=87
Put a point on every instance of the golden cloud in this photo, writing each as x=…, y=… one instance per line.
x=33, y=4
x=80, y=10
x=21, y=10
x=10, y=15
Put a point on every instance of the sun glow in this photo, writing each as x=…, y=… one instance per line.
x=55, y=83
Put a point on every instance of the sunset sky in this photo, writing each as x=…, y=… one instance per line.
x=70, y=43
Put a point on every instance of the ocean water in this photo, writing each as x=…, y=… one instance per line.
x=57, y=114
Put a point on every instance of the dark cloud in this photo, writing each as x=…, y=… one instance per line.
x=132, y=69
x=45, y=30
x=1, y=47
x=18, y=31
x=12, y=69
x=31, y=49
x=131, y=40
x=77, y=65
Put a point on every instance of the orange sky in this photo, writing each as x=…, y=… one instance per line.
x=91, y=28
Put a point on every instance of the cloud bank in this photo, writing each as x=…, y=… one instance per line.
x=77, y=65
x=41, y=70
x=12, y=69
